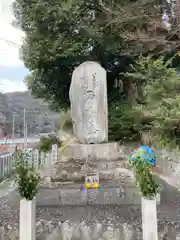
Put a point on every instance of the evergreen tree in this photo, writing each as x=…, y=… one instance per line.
x=158, y=111
x=62, y=34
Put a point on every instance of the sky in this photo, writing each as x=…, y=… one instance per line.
x=12, y=70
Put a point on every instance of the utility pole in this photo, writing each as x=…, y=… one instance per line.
x=26, y=135
x=13, y=126
x=24, y=127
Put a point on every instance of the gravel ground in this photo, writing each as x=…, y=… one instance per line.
x=168, y=211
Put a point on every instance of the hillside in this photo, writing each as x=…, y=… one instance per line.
x=39, y=117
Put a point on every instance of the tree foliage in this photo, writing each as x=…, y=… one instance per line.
x=46, y=142
x=62, y=34
x=160, y=101
x=121, y=118
x=154, y=112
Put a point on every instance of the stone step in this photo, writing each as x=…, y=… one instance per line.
x=123, y=194
x=101, y=164
x=95, y=231
x=74, y=174
x=72, y=168
x=106, y=231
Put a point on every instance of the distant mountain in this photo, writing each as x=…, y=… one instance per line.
x=39, y=118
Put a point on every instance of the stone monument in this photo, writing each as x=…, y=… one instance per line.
x=92, y=153
x=89, y=112
x=88, y=97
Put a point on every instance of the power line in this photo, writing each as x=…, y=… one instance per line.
x=10, y=42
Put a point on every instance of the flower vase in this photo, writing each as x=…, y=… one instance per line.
x=28, y=219
x=149, y=218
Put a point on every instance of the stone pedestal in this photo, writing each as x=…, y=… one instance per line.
x=105, y=158
x=149, y=219
x=93, y=152
x=27, y=219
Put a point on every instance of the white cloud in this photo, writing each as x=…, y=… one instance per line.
x=11, y=86
x=9, y=52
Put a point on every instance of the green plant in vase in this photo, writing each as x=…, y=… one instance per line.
x=146, y=183
x=26, y=178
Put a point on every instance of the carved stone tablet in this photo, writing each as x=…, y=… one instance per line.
x=88, y=97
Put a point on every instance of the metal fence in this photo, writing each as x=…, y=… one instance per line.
x=39, y=160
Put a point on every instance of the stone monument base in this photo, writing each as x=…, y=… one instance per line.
x=78, y=159
x=93, y=152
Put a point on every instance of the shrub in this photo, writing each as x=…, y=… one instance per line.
x=46, y=142
x=160, y=84
x=66, y=121
x=121, y=123
x=26, y=178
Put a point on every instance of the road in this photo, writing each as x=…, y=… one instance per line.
x=19, y=141
x=31, y=143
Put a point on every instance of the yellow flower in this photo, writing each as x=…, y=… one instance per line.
x=88, y=185
x=96, y=185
